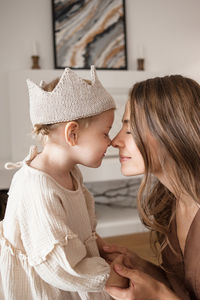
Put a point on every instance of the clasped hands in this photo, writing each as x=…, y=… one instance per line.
x=128, y=279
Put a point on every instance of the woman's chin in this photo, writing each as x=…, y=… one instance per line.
x=127, y=172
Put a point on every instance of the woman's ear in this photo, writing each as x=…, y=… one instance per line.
x=71, y=133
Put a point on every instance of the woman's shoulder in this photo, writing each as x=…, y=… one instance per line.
x=192, y=247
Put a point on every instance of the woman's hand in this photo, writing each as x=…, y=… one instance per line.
x=141, y=287
x=115, y=279
x=133, y=261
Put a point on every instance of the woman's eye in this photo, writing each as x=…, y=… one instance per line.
x=128, y=132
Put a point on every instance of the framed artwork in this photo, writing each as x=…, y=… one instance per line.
x=89, y=32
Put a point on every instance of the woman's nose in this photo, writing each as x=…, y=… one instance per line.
x=115, y=142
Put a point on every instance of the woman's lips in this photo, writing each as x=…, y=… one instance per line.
x=124, y=158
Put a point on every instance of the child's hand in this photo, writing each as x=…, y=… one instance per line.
x=115, y=280
x=132, y=260
x=109, y=257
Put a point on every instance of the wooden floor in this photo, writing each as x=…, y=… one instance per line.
x=138, y=243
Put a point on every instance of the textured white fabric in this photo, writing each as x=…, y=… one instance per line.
x=72, y=98
x=48, y=249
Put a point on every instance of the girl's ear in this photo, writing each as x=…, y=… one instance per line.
x=71, y=133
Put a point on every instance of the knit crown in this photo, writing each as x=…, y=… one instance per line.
x=73, y=98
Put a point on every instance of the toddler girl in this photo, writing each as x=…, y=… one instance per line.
x=48, y=247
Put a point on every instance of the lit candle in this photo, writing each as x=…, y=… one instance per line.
x=35, y=50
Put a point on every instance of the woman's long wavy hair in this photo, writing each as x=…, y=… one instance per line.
x=166, y=109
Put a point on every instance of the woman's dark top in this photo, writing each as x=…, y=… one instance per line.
x=183, y=271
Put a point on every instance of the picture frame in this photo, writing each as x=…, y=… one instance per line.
x=90, y=32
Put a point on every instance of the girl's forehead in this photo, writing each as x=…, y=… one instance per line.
x=106, y=116
x=104, y=120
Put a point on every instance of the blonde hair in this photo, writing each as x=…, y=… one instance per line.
x=42, y=130
x=169, y=108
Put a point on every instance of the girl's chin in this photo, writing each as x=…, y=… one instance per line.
x=96, y=164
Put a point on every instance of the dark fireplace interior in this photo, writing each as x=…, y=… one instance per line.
x=3, y=201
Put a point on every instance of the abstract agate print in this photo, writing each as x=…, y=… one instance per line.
x=89, y=32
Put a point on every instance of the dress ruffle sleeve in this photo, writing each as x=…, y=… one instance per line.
x=87, y=275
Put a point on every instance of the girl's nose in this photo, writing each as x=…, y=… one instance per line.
x=109, y=142
x=115, y=142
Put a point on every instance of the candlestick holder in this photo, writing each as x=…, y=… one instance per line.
x=35, y=62
x=140, y=64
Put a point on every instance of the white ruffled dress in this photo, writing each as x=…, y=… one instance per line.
x=48, y=249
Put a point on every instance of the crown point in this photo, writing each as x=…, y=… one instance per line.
x=31, y=84
x=93, y=73
x=67, y=69
x=42, y=83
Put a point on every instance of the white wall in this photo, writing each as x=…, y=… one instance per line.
x=168, y=30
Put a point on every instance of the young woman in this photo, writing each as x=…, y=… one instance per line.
x=160, y=137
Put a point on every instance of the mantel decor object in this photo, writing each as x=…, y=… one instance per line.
x=89, y=33
x=140, y=64
x=35, y=62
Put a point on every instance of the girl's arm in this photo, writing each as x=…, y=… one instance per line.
x=75, y=273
